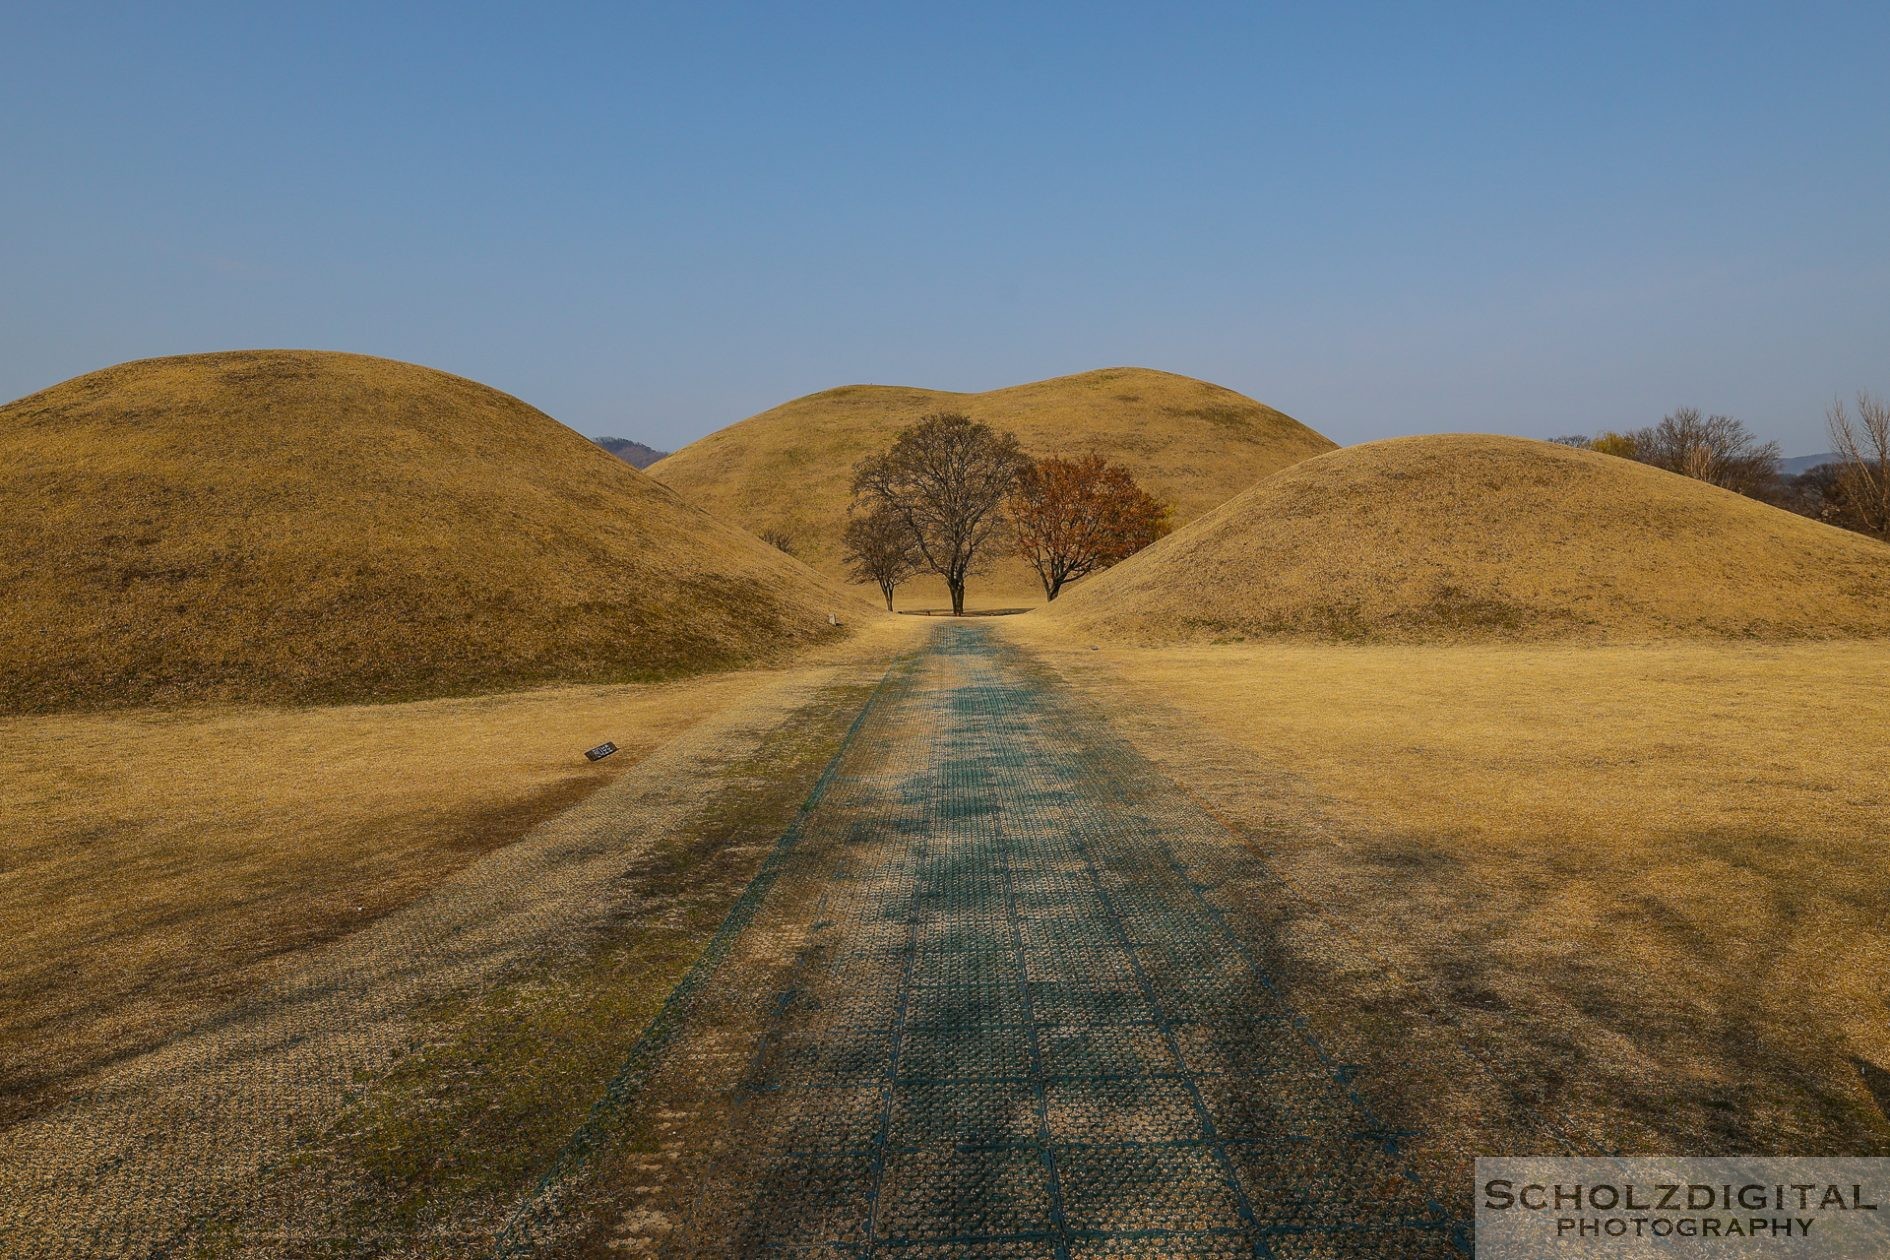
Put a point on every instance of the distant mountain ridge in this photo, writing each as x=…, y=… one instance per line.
x=1795, y=464
x=635, y=454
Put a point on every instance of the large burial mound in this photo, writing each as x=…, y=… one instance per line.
x=1474, y=537
x=290, y=526
x=1191, y=444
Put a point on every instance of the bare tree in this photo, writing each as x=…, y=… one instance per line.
x=1863, y=448
x=946, y=477
x=1715, y=449
x=779, y=540
x=1071, y=517
x=880, y=549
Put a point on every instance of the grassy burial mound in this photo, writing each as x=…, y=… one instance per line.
x=1473, y=537
x=293, y=526
x=1191, y=444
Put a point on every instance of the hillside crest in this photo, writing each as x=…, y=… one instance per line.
x=1476, y=537
x=788, y=470
x=283, y=526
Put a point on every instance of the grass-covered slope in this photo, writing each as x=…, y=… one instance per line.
x=1192, y=444
x=292, y=526
x=1475, y=537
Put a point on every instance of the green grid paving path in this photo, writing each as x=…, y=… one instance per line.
x=1025, y=1027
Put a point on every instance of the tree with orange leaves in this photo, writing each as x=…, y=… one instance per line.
x=1071, y=517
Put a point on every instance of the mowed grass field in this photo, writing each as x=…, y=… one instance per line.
x=159, y=864
x=1643, y=881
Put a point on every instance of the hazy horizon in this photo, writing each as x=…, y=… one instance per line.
x=1817, y=445
x=652, y=225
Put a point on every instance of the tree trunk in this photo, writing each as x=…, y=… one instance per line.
x=958, y=597
x=887, y=590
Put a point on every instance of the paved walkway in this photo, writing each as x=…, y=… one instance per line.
x=999, y=991
x=1027, y=1025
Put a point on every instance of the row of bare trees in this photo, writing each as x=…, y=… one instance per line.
x=952, y=493
x=1715, y=449
x=1853, y=491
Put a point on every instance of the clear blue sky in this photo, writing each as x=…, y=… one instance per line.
x=652, y=221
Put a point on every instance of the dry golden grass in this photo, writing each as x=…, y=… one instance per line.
x=158, y=864
x=291, y=526
x=1464, y=537
x=1643, y=881
x=1190, y=443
